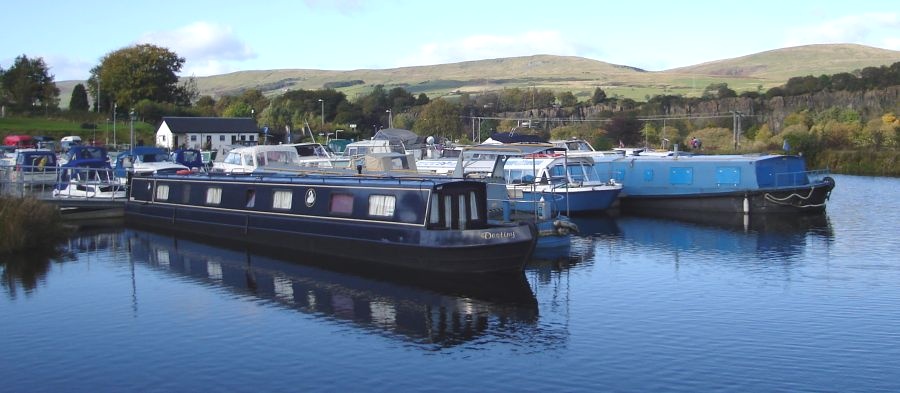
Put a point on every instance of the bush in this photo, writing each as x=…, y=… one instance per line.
x=26, y=223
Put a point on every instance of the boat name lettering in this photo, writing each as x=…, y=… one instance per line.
x=498, y=235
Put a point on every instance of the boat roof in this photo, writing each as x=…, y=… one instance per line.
x=511, y=149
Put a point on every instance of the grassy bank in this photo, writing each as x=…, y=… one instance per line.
x=26, y=223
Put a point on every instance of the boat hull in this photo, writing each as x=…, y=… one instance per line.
x=577, y=200
x=495, y=249
x=811, y=198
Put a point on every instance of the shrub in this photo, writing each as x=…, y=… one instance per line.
x=27, y=223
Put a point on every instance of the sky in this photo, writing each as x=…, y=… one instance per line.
x=219, y=37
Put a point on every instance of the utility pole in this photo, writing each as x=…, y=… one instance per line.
x=736, y=124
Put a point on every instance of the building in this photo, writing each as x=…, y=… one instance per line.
x=206, y=133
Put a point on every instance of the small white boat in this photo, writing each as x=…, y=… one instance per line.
x=88, y=179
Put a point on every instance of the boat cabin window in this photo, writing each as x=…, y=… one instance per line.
x=233, y=158
x=251, y=198
x=162, y=192
x=382, y=205
x=341, y=204
x=282, y=200
x=213, y=196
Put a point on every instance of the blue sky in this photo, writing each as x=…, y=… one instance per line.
x=218, y=37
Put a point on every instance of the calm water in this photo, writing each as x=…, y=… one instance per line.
x=636, y=304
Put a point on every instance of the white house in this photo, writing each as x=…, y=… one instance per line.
x=206, y=133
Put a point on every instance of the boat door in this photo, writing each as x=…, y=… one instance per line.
x=458, y=205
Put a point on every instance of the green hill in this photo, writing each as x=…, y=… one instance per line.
x=559, y=73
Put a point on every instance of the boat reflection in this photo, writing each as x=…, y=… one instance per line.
x=425, y=308
x=777, y=235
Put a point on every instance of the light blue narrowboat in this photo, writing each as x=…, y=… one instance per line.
x=719, y=183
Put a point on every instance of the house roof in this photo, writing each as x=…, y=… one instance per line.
x=220, y=125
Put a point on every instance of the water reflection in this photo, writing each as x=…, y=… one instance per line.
x=23, y=271
x=771, y=236
x=441, y=309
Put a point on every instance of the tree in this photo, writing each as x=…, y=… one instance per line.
x=567, y=99
x=79, y=100
x=28, y=85
x=599, y=96
x=140, y=72
x=439, y=117
x=718, y=90
x=237, y=109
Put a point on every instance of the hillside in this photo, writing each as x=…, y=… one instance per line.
x=782, y=64
x=559, y=73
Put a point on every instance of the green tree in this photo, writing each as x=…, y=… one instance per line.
x=79, y=100
x=718, y=90
x=441, y=118
x=205, y=106
x=28, y=86
x=567, y=99
x=599, y=96
x=237, y=109
x=140, y=72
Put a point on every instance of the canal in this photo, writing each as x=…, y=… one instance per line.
x=637, y=303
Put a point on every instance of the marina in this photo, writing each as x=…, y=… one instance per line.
x=635, y=304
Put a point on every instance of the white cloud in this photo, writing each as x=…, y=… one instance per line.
x=207, y=48
x=343, y=6
x=874, y=29
x=892, y=43
x=478, y=47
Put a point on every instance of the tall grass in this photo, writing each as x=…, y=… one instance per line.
x=26, y=223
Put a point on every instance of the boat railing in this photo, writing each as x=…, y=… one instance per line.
x=83, y=178
x=24, y=180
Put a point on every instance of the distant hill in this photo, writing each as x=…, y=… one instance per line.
x=782, y=64
x=559, y=73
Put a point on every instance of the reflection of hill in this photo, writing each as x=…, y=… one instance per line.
x=439, y=309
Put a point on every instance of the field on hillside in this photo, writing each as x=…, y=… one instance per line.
x=755, y=72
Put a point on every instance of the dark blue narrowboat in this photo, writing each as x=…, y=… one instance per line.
x=433, y=224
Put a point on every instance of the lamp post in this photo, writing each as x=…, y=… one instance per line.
x=115, y=109
x=323, y=112
x=132, y=129
x=390, y=118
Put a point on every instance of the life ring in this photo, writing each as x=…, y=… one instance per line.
x=183, y=172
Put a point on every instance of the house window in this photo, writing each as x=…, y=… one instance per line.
x=193, y=138
x=162, y=137
x=282, y=200
x=213, y=196
x=382, y=205
x=341, y=204
x=221, y=138
x=243, y=137
x=252, y=138
x=162, y=192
